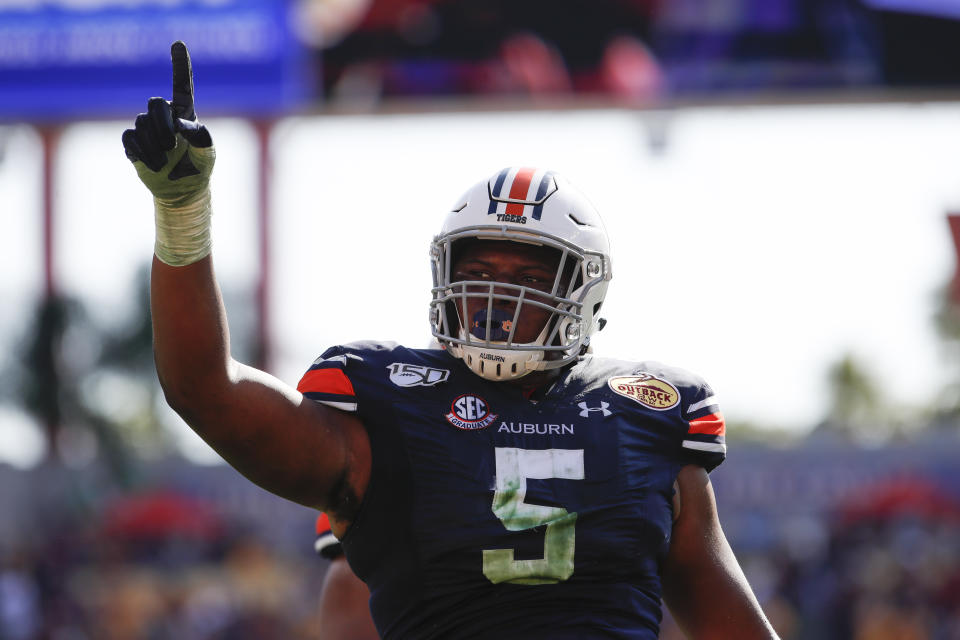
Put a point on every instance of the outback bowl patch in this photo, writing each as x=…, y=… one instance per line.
x=470, y=412
x=648, y=390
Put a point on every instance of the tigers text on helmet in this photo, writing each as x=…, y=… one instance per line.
x=535, y=207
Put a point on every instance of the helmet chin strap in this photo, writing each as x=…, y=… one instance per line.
x=502, y=364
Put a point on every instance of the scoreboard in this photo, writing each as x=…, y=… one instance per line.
x=67, y=59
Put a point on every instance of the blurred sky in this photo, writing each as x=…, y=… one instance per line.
x=756, y=247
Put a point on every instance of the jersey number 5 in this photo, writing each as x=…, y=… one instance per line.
x=514, y=466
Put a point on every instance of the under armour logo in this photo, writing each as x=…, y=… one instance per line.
x=603, y=407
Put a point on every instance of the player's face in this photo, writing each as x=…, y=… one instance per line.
x=530, y=266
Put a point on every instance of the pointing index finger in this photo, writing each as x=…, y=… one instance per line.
x=182, y=81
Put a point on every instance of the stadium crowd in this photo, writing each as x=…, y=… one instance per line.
x=641, y=50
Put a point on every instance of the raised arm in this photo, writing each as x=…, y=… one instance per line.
x=290, y=446
x=703, y=584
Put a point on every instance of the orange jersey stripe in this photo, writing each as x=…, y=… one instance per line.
x=326, y=381
x=518, y=190
x=323, y=524
x=711, y=425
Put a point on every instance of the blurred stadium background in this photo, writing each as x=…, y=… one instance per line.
x=778, y=177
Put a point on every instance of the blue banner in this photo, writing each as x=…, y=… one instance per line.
x=105, y=58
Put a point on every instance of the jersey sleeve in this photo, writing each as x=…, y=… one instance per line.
x=327, y=382
x=705, y=440
x=326, y=544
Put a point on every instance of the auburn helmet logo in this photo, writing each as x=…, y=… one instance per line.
x=516, y=194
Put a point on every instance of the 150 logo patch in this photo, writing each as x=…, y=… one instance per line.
x=416, y=375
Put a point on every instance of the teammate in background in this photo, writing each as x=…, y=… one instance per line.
x=511, y=485
x=344, y=599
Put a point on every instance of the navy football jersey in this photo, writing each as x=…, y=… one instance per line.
x=489, y=515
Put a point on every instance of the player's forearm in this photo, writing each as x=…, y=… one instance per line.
x=703, y=584
x=717, y=604
x=190, y=336
x=174, y=155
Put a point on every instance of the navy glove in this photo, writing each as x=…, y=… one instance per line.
x=174, y=155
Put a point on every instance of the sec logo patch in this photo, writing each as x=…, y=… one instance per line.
x=470, y=412
x=647, y=389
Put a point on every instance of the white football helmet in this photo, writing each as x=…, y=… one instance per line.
x=532, y=206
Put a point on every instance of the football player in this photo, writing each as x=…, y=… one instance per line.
x=509, y=485
x=344, y=607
